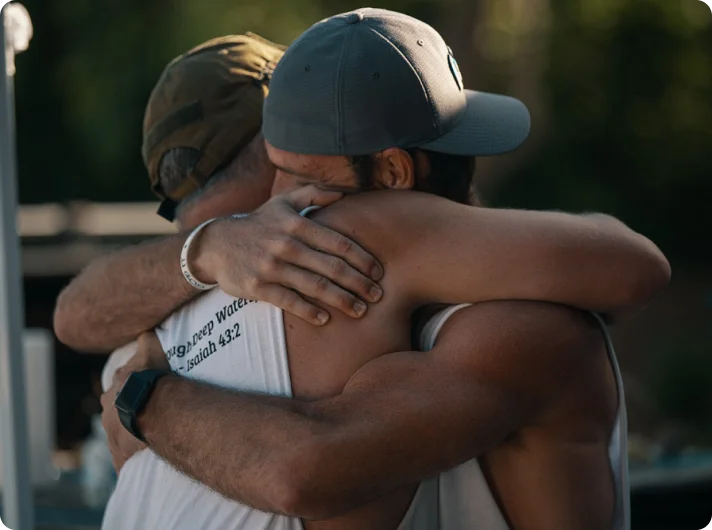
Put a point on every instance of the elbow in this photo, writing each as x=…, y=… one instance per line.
x=643, y=271
x=66, y=316
x=647, y=269
x=302, y=487
x=652, y=275
x=292, y=498
x=662, y=270
x=62, y=321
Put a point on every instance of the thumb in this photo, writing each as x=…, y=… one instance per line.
x=311, y=196
x=148, y=341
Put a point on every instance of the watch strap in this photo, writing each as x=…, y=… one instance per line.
x=129, y=416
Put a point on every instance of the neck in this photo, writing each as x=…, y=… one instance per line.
x=201, y=211
x=222, y=203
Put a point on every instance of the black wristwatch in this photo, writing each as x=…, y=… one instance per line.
x=132, y=398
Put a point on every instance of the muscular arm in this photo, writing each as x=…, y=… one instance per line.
x=121, y=295
x=587, y=261
x=447, y=252
x=402, y=417
x=266, y=256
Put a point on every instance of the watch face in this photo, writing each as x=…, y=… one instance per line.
x=130, y=397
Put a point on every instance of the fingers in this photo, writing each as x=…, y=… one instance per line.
x=311, y=196
x=148, y=341
x=150, y=347
x=332, y=268
x=291, y=302
x=322, y=289
x=335, y=244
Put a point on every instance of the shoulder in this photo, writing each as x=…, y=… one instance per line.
x=383, y=204
x=386, y=222
x=546, y=326
x=533, y=348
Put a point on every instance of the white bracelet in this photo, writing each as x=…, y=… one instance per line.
x=192, y=280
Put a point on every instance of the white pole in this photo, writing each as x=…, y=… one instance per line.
x=17, y=492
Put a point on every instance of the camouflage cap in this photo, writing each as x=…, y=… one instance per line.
x=209, y=99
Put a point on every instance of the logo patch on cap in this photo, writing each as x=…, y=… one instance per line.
x=455, y=69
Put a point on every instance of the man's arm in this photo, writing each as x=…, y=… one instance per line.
x=267, y=256
x=119, y=295
x=446, y=252
x=319, y=459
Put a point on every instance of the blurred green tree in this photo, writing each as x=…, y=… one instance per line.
x=628, y=88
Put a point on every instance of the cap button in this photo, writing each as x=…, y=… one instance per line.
x=354, y=18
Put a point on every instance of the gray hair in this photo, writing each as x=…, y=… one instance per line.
x=175, y=165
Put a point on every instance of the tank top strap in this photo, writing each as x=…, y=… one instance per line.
x=309, y=209
x=430, y=330
x=618, y=447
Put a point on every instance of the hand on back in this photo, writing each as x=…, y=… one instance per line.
x=149, y=355
x=277, y=256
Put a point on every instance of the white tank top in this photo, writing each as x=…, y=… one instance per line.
x=460, y=499
x=229, y=342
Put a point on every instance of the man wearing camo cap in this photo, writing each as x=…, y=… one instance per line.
x=206, y=158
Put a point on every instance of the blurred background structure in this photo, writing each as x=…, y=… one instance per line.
x=621, y=99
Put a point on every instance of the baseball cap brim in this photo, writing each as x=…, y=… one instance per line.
x=492, y=124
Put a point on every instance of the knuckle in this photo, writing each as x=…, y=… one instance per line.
x=295, y=224
x=344, y=245
x=268, y=265
x=285, y=247
x=290, y=301
x=249, y=287
x=321, y=284
x=253, y=285
x=337, y=266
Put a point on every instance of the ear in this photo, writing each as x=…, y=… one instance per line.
x=394, y=169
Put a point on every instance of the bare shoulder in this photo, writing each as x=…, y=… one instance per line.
x=534, y=348
x=388, y=221
x=384, y=204
x=547, y=327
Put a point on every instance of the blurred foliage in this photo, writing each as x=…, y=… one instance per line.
x=629, y=90
x=625, y=88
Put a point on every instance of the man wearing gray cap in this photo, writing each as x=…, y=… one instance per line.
x=531, y=390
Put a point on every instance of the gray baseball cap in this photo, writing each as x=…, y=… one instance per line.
x=364, y=81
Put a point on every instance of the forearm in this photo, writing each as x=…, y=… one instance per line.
x=591, y=262
x=320, y=459
x=240, y=445
x=119, y=296
x=311, y=460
